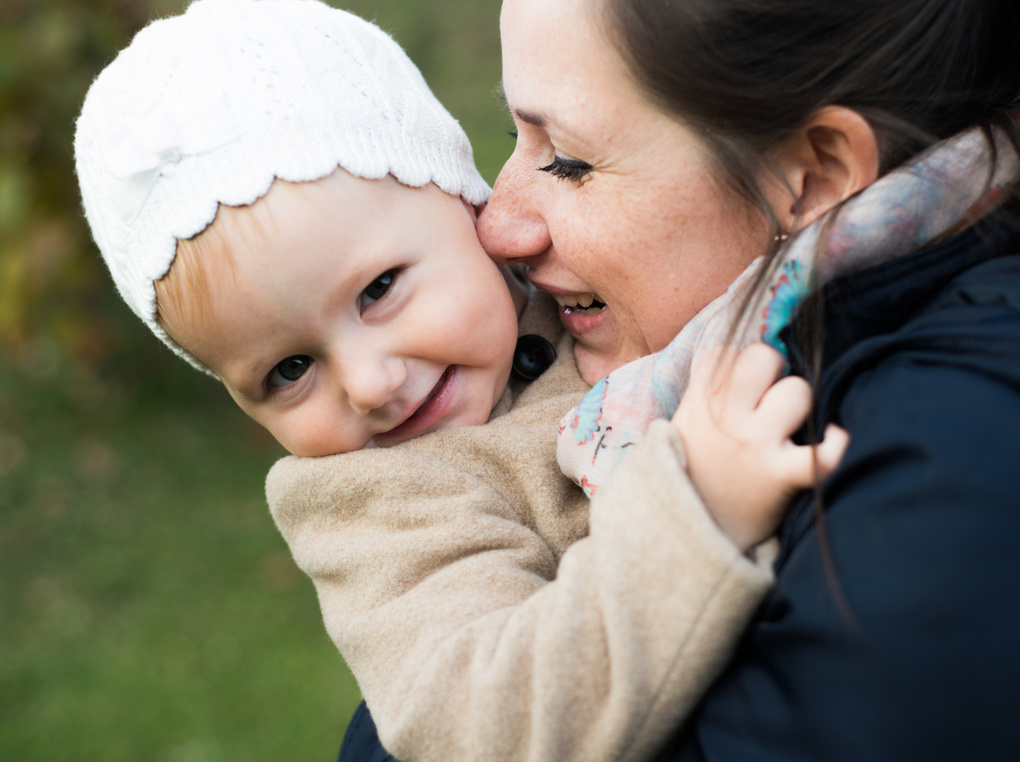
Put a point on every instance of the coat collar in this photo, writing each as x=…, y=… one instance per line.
x=880, y=299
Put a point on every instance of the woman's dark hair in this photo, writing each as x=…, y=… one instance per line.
x=746, y=74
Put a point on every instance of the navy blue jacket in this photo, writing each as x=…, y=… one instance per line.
x=922, y=366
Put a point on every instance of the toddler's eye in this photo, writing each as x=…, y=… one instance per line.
x=290, y=370
x=377, y=289
x=568, y=169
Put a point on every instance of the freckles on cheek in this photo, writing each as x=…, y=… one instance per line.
x=620, y=260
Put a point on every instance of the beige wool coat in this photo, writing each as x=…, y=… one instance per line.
x=489, y=611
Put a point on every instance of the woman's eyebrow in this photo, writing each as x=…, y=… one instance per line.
x=527, y=117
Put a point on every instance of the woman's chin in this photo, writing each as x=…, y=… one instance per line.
x=593, y=364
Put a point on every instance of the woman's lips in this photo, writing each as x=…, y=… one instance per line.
x=579, y=322
x=430, y=411
x=581, y=313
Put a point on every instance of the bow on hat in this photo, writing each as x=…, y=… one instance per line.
x=196, y=121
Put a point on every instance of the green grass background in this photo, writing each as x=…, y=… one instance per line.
x=148, y=608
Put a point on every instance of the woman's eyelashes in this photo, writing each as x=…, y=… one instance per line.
x=288, y=371
x=377, y=289
x=568, y=169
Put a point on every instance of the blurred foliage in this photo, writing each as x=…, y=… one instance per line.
x=148, y=607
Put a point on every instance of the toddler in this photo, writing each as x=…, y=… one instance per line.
x=284, y=203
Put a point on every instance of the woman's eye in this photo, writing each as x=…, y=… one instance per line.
x=290, y=370
x=377, y=289
x=568, y=169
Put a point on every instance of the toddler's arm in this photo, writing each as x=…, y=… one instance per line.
x=736, y=421
x=468, y=639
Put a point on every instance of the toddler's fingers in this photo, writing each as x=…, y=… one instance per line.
x=710, y=372
x=784, y=407
x=695, y=401
x=754, y=371
x=797, y=462
x=831, y=449
x=796, y=466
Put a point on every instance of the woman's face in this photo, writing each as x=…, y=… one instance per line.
x=606, y=198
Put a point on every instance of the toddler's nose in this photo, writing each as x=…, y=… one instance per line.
x=371, y=382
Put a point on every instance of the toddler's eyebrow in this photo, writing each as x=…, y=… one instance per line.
x=248, y=382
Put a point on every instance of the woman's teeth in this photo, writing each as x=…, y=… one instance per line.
x=587, y=304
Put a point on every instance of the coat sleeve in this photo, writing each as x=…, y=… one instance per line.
x=471, y=642
x=923, y=521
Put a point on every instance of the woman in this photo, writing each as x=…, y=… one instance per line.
x=664, y=145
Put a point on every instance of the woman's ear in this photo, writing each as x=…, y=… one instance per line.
x=832, y=157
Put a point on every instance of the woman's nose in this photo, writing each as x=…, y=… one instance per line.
x=372, y=381
x=512, y=227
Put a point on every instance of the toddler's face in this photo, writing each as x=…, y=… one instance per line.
x=357, y=313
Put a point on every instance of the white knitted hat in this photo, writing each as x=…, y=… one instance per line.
x=210, y=107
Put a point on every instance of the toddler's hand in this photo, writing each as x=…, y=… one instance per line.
x=735, y=422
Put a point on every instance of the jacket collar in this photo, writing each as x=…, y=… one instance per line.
x=880, y=299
